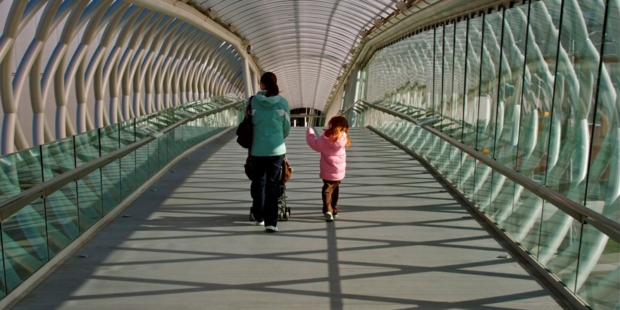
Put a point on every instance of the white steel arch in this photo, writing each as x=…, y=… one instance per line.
x=89, y=64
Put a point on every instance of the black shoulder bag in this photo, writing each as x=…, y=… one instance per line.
x=245, y=130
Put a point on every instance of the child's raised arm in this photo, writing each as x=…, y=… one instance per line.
x=312, y=141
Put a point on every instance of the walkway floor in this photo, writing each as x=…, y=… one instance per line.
x=401, y=242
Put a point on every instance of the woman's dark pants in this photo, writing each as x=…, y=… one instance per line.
x=265, y=188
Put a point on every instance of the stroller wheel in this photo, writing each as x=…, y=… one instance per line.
x=283, y=216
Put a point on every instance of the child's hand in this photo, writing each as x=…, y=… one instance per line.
x=310, y=131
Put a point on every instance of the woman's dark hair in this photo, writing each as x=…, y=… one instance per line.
x=271, y=84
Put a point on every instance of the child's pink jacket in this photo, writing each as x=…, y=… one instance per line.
x=333, y=155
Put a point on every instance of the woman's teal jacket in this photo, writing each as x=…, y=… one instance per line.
x=271, y=117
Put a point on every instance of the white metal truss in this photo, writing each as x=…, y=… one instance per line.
x=88, y=64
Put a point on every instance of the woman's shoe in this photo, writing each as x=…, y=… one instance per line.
x=271, y=229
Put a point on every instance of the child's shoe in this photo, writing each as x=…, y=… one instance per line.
x=329, y=217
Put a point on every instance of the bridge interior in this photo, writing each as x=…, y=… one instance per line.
x=511, y=108
x=401, y=241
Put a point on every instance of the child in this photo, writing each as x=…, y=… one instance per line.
x=331, y=145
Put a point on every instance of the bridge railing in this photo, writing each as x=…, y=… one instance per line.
x=52, y=194
x=574, y=244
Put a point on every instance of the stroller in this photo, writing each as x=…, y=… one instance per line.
x=284, y=211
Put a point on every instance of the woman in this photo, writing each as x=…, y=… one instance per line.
x=271, y=119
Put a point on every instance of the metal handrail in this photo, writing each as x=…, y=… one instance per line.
x=45, y=189
x=580, y=213
x=349, y=108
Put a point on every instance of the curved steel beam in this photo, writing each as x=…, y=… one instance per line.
x=192, y=16
x=10, y=121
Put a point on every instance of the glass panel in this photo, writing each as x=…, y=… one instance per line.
x=62, y=218
x=9, y=185
x=453, y=161
x=195, y=108
x=598, y=281
x=540, y=58
x=559, y=244
x=577, y=70
x=127, y=134
x=424, y=143
x=195, y=131
x=163, y=144
x=142, y=163
x=448, y=96
x=110, y=174
x=408, y=135
x=470, y=114
x=433, y=150
x=501, y=197
x=467, y=176
x=503, y=194
x=164, y=119
x=111, y=181
x=153, y=161
x=183, y=138
x=20, y=171
x=87, y=147
x=454, y=59
x=438, y=70
x=24, y=243
x=90, y=200
x=144, y=120
x=175, y=143
x=443, y=155
x=60, y=206
x=191, y=132
x=511, y=81
x=427, y=44
x=58, y=158
x=461, y=66
x=3, y=287
x=129, y=163
x=525, y=222
x=487, y=113
x=128, y=175
x=110, y=139
x=472, y=83
x=603, y=180
x=176, y=116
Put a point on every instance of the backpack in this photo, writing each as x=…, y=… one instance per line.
x=245, y=130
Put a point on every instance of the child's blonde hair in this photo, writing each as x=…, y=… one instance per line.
x=337, y=125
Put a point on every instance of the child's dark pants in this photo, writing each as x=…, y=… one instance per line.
x=330, y=196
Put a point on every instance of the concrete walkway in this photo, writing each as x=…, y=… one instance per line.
x=401, y=242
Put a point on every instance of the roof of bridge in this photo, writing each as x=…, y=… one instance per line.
x=305, y=43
